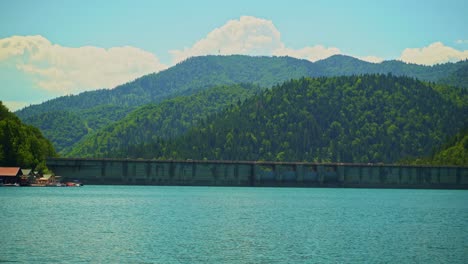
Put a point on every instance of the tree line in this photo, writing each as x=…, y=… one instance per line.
x=22, y=145
x=368, y=118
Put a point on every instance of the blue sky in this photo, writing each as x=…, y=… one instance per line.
x=76, y=43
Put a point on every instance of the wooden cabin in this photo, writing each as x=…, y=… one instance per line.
x=10, y=175
x=46, y=179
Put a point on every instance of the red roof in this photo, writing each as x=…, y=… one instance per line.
x=9, y=171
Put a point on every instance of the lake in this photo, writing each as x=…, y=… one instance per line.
x=153, y=224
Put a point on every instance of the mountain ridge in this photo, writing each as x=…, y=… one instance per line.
x=325, y=67
x=199, y=73
x=369, y=118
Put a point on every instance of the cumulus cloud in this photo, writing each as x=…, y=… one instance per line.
x=255, y=36
x=65, y=70
x=434, y=53
x=250, y=36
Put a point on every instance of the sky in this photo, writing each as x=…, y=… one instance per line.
x=52, y=48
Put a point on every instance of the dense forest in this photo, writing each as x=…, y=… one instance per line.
x=98, y=109
x=168, y=119
x=65, y=128
x=370, y=118
x=448, y=73
x=22, y=145
x=453, y=152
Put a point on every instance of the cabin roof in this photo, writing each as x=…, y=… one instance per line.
x=45, y=177
x=10, y=171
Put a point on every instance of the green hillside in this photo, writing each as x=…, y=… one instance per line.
x=21, y=145
x=168, y=119
x=455, y=152
x=452, y=152
x=199, y=73
x=370, y=118
x=448, y=73
x=185, y=78
x=65, y=128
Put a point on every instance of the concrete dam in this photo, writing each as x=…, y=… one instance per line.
x=257, y=173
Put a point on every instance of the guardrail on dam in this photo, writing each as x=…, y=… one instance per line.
x=256, y=173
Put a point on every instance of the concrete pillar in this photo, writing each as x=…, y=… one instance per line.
x=214, y=169
x=399, y=175
x=341, y=171
x=253, y=174
x=299, y=170
x=360, y=174
x=236, y=173
x=277, y=172
x=419, y=175
x=382, y=175
x=320, y=174
x=124, y=172
x=172, y=169
x=194, y=170
x=148, y=170
x=103, y=168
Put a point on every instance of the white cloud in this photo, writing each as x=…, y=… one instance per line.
x=64, y=70
x=250, y=36
x=314, y=53
x=372, y=59
x=462, y=41
x=256, y=36
x=434, y=53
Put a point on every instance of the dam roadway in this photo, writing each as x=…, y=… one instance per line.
x=257, y=173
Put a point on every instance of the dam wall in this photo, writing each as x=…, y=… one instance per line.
x=256, y=173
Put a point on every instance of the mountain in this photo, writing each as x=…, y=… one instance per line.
x=339, y=65
x=184, y=78
x=458, y=77
x=370, y=118
x=453, y=152
x=20, y=144
x=165, y=120
x=199, y=73
x=65, y=128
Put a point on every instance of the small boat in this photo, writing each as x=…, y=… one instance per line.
x=73, y=184
x=56, y=185
x=10, y=184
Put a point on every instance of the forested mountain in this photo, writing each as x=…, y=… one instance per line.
x=370, y=118
x=449, y=73
x=199, y=73
x=21, y=145
x=459, y=77
x=452, y=152
x=169, y=119
x=65, y=128
x=184, y=78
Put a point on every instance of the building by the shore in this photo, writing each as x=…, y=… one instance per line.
x=10, y=175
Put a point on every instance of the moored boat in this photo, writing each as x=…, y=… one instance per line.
x=9, y=185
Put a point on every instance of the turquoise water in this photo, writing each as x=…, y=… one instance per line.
x=149, y=224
